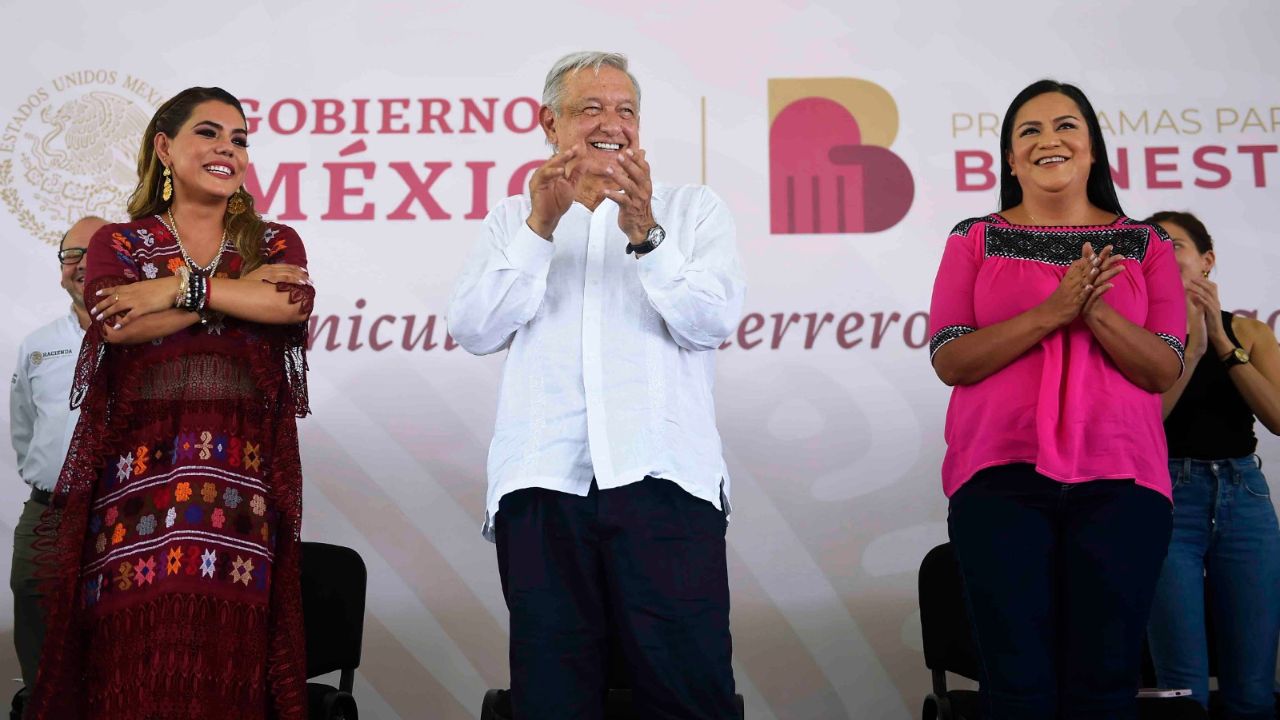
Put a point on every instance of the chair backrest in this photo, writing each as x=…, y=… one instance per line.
x=944, y=617
x=333, y=593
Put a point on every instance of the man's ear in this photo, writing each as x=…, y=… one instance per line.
x=547, y=119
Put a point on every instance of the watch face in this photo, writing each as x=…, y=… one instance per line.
x=656, y=236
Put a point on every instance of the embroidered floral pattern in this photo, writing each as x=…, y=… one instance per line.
x=270, y=244
x=174, y=565
x=242, y=570
x=220, y=448
x=206, y=445
x=174, y=264
x=144, y=573
x=191, y=499
x=140, y=462
x=121, y=245
x=252, y=456
x=185, y=447
x=965, y=226
x=124, y=575
x=1062, y=248
x=208, y=562
x=150, y=270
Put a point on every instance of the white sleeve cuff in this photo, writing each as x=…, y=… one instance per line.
x=529, y=252
x=660, y=267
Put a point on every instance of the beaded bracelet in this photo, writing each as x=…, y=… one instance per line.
x=204, y=293
x=196, y=288
x=196, y=295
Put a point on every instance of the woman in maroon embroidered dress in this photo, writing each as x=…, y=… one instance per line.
x=171, y=550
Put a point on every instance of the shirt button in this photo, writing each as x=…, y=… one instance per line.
x=1214, y=466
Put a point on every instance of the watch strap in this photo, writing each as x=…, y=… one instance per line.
x=648, y=245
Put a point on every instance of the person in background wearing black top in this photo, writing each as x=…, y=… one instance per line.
x=1224, y=527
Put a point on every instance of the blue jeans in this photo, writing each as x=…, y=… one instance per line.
x=1224, y=534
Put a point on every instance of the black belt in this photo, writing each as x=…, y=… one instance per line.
x=41, y=496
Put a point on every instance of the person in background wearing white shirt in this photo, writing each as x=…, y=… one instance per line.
x=608, y=492
x=40, y=424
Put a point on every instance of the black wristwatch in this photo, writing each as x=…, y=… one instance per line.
x=1236, y=357
x=651, y=241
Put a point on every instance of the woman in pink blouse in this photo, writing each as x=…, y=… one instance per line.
x=1058, y=323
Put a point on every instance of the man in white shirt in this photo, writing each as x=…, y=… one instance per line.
x=40, y=425
x=608, y=493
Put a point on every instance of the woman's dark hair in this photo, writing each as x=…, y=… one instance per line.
x=1185, y=220
x=1101, y=190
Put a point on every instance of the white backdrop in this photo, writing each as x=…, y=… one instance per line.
x=833, y=430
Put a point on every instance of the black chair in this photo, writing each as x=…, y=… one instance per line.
x=19, y=704
x=949, y=646
x=333, y=593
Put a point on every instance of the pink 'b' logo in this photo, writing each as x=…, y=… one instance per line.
x=830, y=167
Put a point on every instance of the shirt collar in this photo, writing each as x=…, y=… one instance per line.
x=75, y=323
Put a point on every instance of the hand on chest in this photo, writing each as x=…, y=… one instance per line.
x=1021, y=268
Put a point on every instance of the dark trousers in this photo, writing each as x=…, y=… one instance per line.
x=1059, y=579
x=28, y=616
x=639, y=570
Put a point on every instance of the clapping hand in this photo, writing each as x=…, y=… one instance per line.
x=635, y=194
x=1107, y=266
x=552, y=190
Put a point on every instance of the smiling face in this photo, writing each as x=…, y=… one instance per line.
x=599, y=110
x=1191, y=262
x=73, y=273
x=209, y=153
x=1050, y=151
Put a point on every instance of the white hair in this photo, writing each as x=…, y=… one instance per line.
x=553, y=90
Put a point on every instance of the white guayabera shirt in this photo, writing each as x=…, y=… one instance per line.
x=41, y=420
x=610, y=360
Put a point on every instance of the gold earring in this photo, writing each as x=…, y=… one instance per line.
x=237, y=204
x=1205, y=273
x=166, y=192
